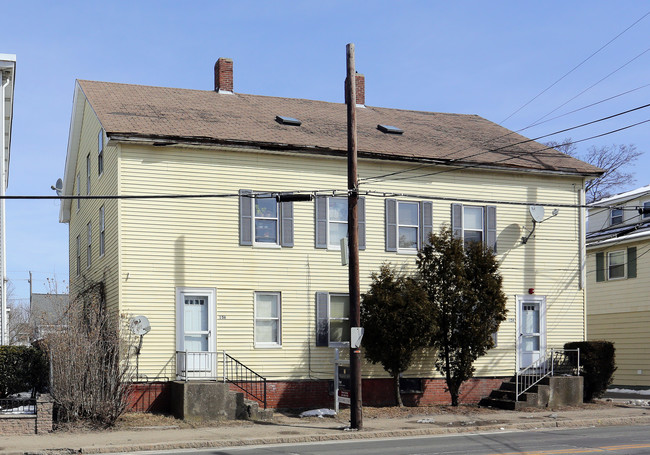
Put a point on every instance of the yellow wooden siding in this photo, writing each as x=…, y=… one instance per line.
x=103, y=268
x=622, y=295
x=629, y=333
x=173, y=243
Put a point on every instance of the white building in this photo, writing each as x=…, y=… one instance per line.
x=8, y=70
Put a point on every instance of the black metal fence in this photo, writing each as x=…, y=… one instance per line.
x=244, y=378
x=21, y=406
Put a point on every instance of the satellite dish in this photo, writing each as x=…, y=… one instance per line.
x=140, y=325
x=537, y=212
x=58, y=187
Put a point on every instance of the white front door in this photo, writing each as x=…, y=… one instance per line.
x=531, y=326
x=196, y=332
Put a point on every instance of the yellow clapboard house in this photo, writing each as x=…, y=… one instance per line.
x=235, y=271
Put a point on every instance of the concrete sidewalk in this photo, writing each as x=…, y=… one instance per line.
x=286, y=429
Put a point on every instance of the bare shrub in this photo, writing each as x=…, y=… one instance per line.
x=90, y=365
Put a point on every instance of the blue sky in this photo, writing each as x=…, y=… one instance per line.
x=473, y=57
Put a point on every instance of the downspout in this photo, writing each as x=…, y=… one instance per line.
x=582, y=233
x=3, y=254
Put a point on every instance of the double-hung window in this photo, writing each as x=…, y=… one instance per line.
x=616, y=264
x=268, y=331
x=100, y=152
x=332, y=222
x=78, y=190
x=408, y=225
x=616, y=216
x=473, y=223
x=101, y=231
x=88, y=174
x=332, y=319
x=263, y=221
x=78, y=255
x=90, y=244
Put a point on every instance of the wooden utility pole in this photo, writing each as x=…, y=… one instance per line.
x=356, y=415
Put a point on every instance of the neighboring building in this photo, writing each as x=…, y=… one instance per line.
x=618, y=307
x=46, y=312
x=8, y=83
x=263, y=280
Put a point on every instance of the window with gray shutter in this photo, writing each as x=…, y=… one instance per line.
x=426, y=221
x=322, y=319
x=245, y=217
x=391, y=225
x=321, y=222
x=491, y=227
x=286, y=224
x=600, y=266
x=457, y=220
x=631, y=262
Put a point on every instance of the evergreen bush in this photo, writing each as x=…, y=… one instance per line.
x=598, y=364
x=22, y=369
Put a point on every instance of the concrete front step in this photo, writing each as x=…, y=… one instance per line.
x=551, y=391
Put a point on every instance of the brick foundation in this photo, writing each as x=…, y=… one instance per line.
x=302, y=394
x=149, y=397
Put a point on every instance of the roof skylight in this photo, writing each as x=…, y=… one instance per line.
x=389, y=129
x=287, y=120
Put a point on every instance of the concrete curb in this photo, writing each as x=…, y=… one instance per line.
x=221, y=443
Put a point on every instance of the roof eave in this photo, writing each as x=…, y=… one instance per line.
x=162, y=141
x=74, y=139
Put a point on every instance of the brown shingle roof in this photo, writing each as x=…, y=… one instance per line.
x=197, y=115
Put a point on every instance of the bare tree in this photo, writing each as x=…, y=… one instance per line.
x=615, y=160
x=90, y=363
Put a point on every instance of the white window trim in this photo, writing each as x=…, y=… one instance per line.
x=100, y=152
x=330, y=343
x=79, y=255
x=102, y=231
x=78, y=191
x=90, y=246
x=261, y=344
x=609, y=253
x=482, y=221
x=611, y=216
x=327, y=217
x=88, y=171
x=277, y=227
x=417, y=227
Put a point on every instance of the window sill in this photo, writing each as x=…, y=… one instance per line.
x=407, y=252
x=266, y=245
x=268, y=346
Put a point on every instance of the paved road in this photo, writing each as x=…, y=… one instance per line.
x=621, y=440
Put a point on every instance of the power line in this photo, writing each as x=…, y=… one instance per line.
x=593, y=85
x=575, y=68
x=470, y=166
x=582, y=125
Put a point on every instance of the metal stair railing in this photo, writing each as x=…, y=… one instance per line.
x=553, y=363
x=244, y=378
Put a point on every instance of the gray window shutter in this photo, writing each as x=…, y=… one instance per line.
x=321, y=222
x=322, y=319
x=245, y=218
x=361, y=222
x=391, y=225
x=631, y=262
x=457, y=220
x=426, y=221
x=491, y=227
x=600, y=266
x=286, y=224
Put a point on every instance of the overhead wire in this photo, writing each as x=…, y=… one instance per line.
x=575, y=67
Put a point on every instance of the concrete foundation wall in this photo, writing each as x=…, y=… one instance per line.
x=204, y=400
x=565, y=390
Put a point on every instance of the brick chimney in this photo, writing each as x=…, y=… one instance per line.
x=223, y=75
x=360, y=83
